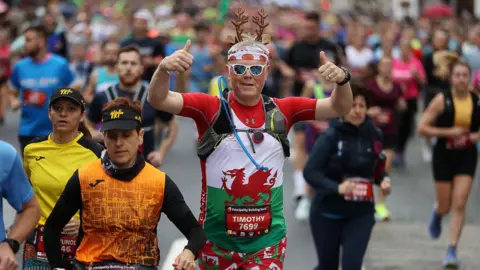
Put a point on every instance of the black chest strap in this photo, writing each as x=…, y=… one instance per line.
x=221, y=127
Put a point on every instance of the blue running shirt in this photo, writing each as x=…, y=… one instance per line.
x=36, y=82
x=14, y=184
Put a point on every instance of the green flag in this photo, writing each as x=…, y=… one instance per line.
x=78, y=3
x=222, y=11
x=119, y=5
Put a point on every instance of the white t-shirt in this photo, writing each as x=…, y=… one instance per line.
x=358, y=59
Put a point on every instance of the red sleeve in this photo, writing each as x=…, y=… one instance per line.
x=202, y=108
x=296, y=109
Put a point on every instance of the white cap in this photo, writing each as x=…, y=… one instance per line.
x=146, y=15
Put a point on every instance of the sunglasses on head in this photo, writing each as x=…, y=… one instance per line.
x=255, y=70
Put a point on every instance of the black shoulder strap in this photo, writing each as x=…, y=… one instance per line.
x=141, y=95
x=448, y=100
x=268, y=103
x=475, y=123
x=221, y=125
x=110, y=93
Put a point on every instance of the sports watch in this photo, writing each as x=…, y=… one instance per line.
x=347, y=76
x=14, y=244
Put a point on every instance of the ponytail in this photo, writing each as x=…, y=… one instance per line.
x=84, y=129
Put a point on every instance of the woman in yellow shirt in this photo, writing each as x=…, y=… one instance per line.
x=453, y=118
x=49, y=162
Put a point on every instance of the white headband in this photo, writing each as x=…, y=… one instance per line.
x=248, y=53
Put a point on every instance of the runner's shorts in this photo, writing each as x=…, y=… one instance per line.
x=270, y=258
x=447, y=164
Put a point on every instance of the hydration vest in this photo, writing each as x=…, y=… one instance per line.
x=447, y=118
x=377, y=147
x=221, y=128
x=140, y=95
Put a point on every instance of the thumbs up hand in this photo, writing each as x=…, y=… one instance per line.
x=180, y=61
x=329, y=72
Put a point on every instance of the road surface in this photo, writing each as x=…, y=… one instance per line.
x=402, y=243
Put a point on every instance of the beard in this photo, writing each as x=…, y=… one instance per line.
x=129, y=81
x=110, y=63
x=33, y=53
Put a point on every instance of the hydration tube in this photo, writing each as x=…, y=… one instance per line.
x=221, y=80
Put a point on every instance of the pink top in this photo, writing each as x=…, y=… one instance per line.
x=403, y=75
x=476, y=80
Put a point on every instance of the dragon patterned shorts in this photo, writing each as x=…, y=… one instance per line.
x=213, y=257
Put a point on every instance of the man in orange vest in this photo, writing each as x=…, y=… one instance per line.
x=121, y=198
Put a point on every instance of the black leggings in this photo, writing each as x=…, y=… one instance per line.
x=406, y=125
x=351, y=235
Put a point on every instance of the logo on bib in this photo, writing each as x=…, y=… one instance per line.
x=248, y=212
x=249, y=190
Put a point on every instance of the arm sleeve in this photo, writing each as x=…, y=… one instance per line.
x=176, y=209
x=17, y=189
x=69, y=203
x=317, y=163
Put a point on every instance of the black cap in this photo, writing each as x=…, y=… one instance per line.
x=120, y=118
x=69, y=93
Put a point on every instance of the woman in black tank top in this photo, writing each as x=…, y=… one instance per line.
x=454, y=119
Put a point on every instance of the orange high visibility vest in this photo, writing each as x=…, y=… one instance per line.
x=119, y=218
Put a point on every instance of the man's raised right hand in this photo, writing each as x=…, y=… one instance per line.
x=179, y=62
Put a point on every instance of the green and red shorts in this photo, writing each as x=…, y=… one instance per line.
x=213, y=257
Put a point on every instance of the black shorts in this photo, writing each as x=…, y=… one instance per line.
x=389, y=142
x=447, y=164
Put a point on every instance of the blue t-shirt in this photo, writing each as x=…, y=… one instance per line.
x=14, y=184
x=36, y=82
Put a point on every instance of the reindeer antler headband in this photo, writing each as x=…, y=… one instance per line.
x=249, y=52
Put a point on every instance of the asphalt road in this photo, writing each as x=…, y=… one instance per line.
x=402, y=243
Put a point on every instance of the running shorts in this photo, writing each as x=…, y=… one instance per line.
x=447, y=164
x=215, y=257
x=34, y=257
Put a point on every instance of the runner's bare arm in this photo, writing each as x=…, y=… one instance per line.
x=69, y=203
x=25, y=221
x=159, y=94
x=90, y=88
x=167, y=142
x=340, y=102
x=434, y=109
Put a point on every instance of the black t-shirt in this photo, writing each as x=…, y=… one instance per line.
x=148, y=47
x=306, y=56
x=94, y=114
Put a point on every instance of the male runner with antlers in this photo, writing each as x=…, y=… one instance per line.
x=242, y=146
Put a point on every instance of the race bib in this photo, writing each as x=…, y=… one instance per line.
x=68, y=246
x=363, y=191
x=461, y=142
x=248, y=221
x=34, y=97
x=384, y=118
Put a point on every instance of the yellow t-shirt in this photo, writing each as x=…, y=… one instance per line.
x=463, y=112
x=49, y=166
